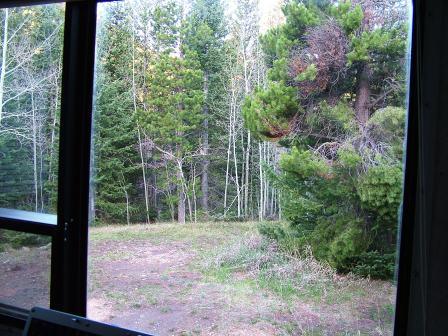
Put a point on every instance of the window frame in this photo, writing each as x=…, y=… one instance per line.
x=69, y=228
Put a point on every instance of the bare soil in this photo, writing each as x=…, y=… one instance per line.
x=25, y=277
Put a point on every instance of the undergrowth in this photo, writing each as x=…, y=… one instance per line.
x=253, y=257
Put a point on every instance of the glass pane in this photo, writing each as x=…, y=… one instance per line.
x=24, y=269
x=30, y=81
x=248, y=166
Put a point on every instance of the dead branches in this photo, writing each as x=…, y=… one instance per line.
x=325, y=49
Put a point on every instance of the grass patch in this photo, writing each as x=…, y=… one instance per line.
x=258, y=261
x=150, y=294
x=116, y=255
x=197, y=234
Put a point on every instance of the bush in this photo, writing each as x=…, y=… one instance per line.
x=262, y=260
x=375, y=265
x=20, y=239
x=340, y=241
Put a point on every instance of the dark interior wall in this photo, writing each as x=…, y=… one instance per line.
x=428, y=306
x=9, y=331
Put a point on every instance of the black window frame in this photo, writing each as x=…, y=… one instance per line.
x=69, y=228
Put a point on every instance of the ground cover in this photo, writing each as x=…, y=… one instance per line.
x=207, y=279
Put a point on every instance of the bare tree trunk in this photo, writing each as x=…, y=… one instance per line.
x=128, y=219
x=205, y=145
x=54, y=123
x=181, y=196
x=4, y=55
x=363, y=96
x=190, y=208
x=261, y=200
x=41, y=170
x=126, y=195
x=266, y=182
x=193, y=169
x=170, y=202
x=34, y=130
x=142, y=162
x=229, y=145
x=280, y=206
x=246, y=180
x=134, y=97
x=235, y=159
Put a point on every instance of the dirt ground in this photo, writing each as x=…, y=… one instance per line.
x=148, y=279
x=25, y=277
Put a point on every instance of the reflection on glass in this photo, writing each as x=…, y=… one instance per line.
x=24, y=269
x=248, y=166
x=30, y=60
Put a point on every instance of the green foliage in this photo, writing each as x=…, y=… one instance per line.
x=174, y=101
x=349, y=242
x=340, y=216
x=13, y=239
x=277, y=42
x=166, y=27
x=380, y=192
x=349, y=16
x=340, y=178
x=116, y=135
x=204, y=33
x=299, y=17
x=336, y=120
x=309, y=74
x=388, y=126
x=349, y=157
x=270, y=108
x=374, y=264
x=374, y=46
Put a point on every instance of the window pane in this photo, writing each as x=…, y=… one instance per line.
x=248, y=164
x=30, y=59
x=24, y=269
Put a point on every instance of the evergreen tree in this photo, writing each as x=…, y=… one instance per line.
x=204, y=34
x=174, y=101
x=115, y=141
x=335, y=96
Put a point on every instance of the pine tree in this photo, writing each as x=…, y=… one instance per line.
x=204, y=34
x=115, y=142
x=174, y=101
x=335, y=98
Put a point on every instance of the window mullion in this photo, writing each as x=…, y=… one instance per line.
x=69, y=249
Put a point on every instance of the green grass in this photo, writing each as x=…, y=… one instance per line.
x=150, y=294
x=114, y=256
x=191, y=232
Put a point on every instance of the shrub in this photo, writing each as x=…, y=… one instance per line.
x=374, y=265
x=20, y=239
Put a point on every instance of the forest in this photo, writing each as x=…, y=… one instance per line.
x=292, y=116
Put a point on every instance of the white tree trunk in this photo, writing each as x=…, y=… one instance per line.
x=229, y=146
x=140, y=146
x=4, y=55
x=181, y=195
x=235, y=159
x=246, y=181
x=34, y=139
x=260, y=165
